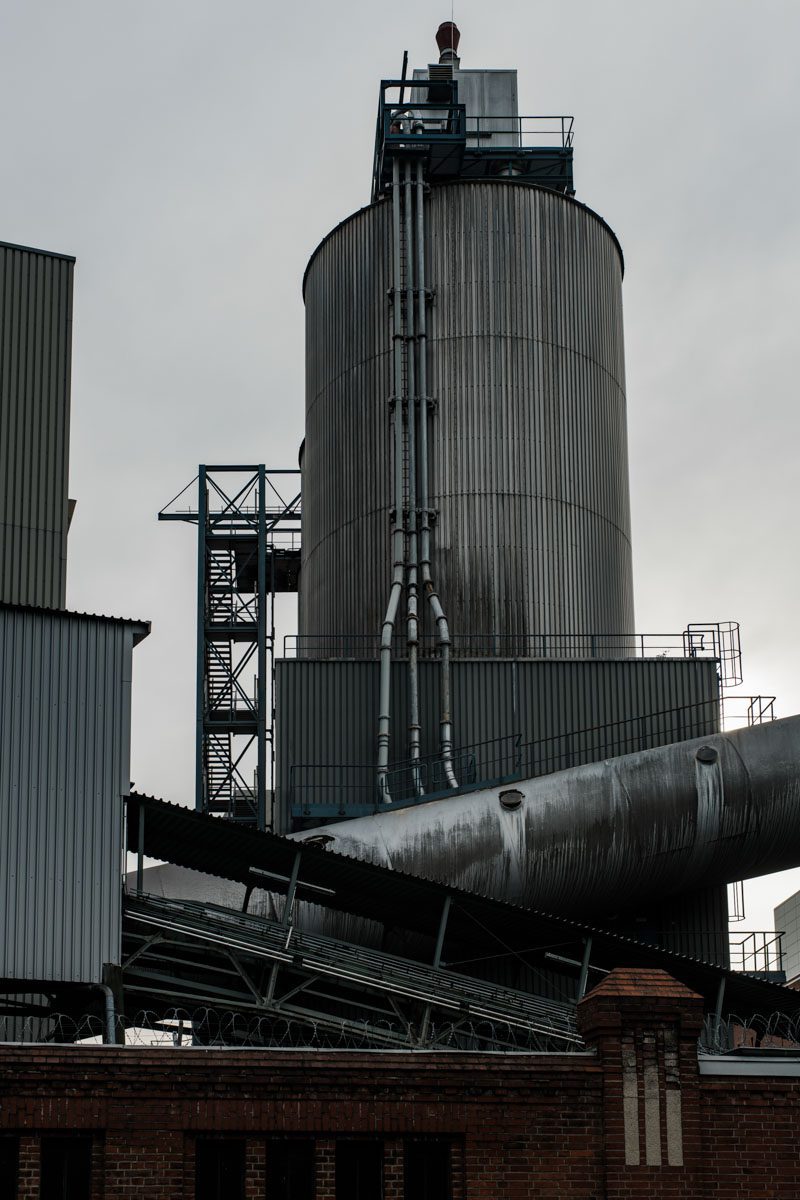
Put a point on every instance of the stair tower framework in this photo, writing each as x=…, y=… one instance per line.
x=248, y=550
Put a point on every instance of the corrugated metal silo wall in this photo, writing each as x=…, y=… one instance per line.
x=327, y=712
x=346, y=463
x=64, y=767
x=529, y=443
x=35, y=364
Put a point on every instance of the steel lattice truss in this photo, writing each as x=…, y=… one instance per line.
x=248, y=550
x=181, y=953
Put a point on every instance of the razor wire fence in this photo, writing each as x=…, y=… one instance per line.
x=229, y=1029
x=777, y=1031
x=182, y=1028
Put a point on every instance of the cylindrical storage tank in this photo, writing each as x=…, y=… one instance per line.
x=529, y=463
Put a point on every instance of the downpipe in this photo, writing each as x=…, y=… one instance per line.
x=398, y=534
x=110, y=1014
x=412, y=635
x=429, y=590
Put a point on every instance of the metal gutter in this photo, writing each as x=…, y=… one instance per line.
x=755, y=1067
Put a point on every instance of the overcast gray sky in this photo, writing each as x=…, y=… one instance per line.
x=191, y=155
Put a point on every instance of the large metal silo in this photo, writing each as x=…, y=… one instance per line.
x=528, y=447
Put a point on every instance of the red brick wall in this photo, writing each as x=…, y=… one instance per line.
x=631, y=1118
x=509, y=1118
x=751, y=1138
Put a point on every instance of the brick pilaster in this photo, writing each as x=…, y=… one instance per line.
x=645, y=1025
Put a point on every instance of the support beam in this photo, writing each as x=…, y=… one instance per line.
x=584, y=975
x=290, y=891
x=437, y=954
x=140, y=855
x=261, y=677
x=720, y=1001
x=251, y=987
x=145, y=946
x=437, y=959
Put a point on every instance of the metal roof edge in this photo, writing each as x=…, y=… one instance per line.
x=36, y=250
x=142, y=627
x=661, y=954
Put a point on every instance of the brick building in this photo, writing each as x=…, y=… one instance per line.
x=636, y=1113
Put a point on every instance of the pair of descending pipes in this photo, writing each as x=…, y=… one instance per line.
x=411, y=409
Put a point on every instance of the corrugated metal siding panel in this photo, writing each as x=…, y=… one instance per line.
x=346, y=480
x=529, y=443
x=696, y=924
x=35, y=364
x=326, y=710
x=64, y=767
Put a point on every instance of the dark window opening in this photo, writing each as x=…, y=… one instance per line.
x=359, y=1170
x=426, y=1170
x=290, y=1170
x=9, y=1167
x=219, y=1169
x=66, y=1168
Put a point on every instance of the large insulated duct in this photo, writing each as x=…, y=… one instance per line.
x=598, y=839
x=528, y=447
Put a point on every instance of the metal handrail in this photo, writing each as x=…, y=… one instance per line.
x=757, y=950
x=752, y=951
x=499, y=760
x=696, y=641
x=521, y=127
x=415, y=125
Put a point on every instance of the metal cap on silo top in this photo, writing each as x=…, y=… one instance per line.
x=448, y=35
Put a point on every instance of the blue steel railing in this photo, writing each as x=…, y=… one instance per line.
x=350, y=789
x=318, y=790
x=423, y=119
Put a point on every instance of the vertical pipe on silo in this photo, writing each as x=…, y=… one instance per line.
x=412, y=636
x=442, y=628
x=384, y=702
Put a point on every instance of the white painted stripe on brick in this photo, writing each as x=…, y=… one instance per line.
x=652, y=1105
x=672, y=1100
x=630, y=1103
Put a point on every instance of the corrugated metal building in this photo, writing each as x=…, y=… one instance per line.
x=35, y=357
x=65, y=697
x=528, y=715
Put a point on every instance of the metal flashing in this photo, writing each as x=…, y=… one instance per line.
x=759, y=1066
x=36, y=250
x=142, y=627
